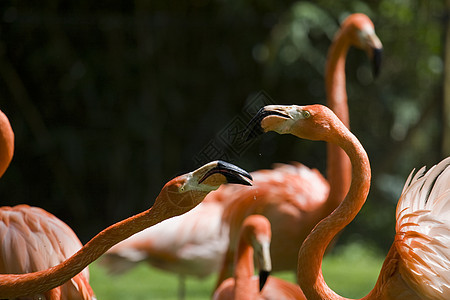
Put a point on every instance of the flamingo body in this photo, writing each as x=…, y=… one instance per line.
x=34, y=240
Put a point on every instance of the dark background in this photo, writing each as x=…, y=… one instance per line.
x=110, y=101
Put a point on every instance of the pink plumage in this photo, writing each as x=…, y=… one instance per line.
x=423, y=231
x=33, y=240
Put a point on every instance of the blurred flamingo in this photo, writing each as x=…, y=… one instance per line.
x=191, y=244
x=178, y=196
x=293, y=197
x=254, y=243
x=33, y=239
x=418, y=263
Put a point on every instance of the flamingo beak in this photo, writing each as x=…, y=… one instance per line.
x=254, y=128
x=232, y=173
x=377, y=54
x=263, y=275
x=374, y=49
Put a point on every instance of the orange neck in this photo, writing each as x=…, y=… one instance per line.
x=338, y=164
x=309, y=272
x=244, y=287
x=12, y=285
x=6, y=143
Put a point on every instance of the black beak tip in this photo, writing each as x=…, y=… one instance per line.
x=376, y=61
x=263, y=275
x=234, y=174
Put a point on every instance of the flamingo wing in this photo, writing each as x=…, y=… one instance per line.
x=297, y=184
x=423, y=231
x=31, y=239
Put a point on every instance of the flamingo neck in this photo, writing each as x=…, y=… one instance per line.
x=309, y=270
x=244, y=287
x=338, y=164
x=16, y=285
x=6, y=143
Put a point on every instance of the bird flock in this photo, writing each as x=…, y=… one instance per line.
x=219, y=219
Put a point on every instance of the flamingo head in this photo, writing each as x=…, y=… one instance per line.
x=187, y=191
x=361, y=32
x=257, y=232
x=312, y=122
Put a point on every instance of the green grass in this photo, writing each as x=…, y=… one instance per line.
x=351, y=271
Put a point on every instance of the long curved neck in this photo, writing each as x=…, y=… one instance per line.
x=6, y=143
x=338, y=164
x=244, y=288
x=12, y=285
x=309, y=270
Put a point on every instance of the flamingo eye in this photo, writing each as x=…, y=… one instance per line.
x=181, y=189
x=306, y=114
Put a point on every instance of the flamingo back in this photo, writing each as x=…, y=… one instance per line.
x=32, y=240
x=423, y=231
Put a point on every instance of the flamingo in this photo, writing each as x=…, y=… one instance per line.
x=254, y=240
x=293, y=197
x=417, y=264
x=34, y=240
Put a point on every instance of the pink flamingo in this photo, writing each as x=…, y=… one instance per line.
x=254, y=242
x=417, y=265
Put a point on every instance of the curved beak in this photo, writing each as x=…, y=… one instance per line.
x=232, y=173
x=254, y=128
